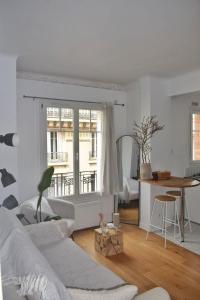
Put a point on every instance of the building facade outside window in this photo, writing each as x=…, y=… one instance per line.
x=195, y=136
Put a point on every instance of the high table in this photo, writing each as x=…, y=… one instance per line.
x=178, y=183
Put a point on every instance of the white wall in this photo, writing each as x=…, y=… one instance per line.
x=133, y=105
x=8, y=155
x=162, y=142
x=29, y=127
x=184, y=84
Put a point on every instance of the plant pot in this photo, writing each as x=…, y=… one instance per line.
x=145, y=171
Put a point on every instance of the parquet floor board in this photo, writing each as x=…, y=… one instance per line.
x=148, y=264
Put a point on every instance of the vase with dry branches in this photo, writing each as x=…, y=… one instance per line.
x=142, y=133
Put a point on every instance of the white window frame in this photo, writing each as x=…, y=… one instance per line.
x=43, y=144
x=192, y=161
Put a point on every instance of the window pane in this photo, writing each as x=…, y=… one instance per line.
x=196, y=136
x=90, y=133
x=60, y=150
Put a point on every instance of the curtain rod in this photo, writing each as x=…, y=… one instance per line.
x=48, y=98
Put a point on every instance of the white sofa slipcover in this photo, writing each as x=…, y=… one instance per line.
x=73, y=266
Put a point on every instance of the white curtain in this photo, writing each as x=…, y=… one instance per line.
x=109, y=172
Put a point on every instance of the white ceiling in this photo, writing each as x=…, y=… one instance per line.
x=103, y=40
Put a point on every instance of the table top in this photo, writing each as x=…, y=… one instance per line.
x=111, y=231
x=173, y=182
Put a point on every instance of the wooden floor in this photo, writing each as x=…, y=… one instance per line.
x=147, y=264
x=129, y=213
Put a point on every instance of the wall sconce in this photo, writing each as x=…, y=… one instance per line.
x=10, y=139
x=6, y=178
x=10, y=202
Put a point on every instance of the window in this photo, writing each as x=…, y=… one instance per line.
x=195, y=125
x=74, y=136
x=90, y=126
x=94, y=146
x=53, y=139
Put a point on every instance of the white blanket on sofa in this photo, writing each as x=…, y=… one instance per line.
x=23, y=264
x=73, y=266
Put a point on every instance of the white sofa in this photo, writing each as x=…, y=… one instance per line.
x=51, y=207
x=73, y=266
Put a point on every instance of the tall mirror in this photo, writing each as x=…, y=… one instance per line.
x=127, y=200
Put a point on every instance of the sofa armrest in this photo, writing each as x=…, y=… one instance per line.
x=62, y=208
x=154, y=294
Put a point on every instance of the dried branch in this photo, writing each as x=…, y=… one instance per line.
x=143, y=132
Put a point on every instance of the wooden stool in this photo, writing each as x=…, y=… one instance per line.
x=164, y=199
x=177, y=194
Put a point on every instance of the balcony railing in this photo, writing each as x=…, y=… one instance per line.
x=68, y=114
x=63, y=183
x=57, y=157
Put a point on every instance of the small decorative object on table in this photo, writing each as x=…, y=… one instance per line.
x=158, y=175
x=116, y=220
x=102, y=223
x=110, y=226
x=110, y=243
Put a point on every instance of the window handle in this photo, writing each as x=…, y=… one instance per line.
x=77, y=156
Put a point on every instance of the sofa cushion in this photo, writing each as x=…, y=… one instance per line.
x=73, y=266
x=45, y=233
x=65, y=226
x=22, y=264
x=123, y=292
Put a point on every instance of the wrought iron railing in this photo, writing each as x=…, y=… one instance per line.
x=57, y=157
x=63, y=183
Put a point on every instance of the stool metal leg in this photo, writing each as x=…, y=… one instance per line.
x=177, y=217
x=188, y=215
x=151, y=217
x=163, y=216
x=165, y=229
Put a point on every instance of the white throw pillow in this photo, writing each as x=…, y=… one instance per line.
x=23, y=264
x=124, y=292
x=45, y=233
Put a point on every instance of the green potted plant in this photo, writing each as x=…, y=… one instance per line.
x=42, y=186
x=142, y=133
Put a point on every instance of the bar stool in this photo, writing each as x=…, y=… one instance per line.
x=177, y=194
x=164, y=200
